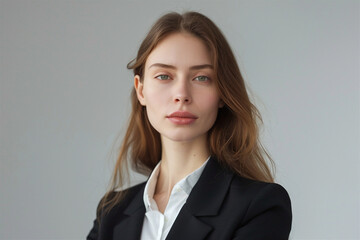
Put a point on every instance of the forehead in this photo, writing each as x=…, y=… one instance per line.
x=181, y=50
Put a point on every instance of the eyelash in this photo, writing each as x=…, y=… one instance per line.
x=161, y=75
x=207, y=78
x=168, y=77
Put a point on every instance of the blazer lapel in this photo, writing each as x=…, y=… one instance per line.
x=187, y=226
x=130, y=228
x=205, y=199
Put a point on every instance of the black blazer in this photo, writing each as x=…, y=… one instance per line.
x=222, y=205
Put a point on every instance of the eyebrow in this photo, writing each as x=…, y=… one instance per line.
x=195, y=67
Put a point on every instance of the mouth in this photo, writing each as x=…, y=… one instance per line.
x=182, y=117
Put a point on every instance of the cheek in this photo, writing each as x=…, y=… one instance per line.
x=209, y=100
x=155, y=100
x=209, y=103
x=153, y=95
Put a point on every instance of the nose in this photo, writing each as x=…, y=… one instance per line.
x=182, y=93
x=183, y=99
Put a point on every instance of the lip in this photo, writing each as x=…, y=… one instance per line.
x=182, y=114
x=182, y=117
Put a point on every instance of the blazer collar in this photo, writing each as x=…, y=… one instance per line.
x=206, y=196
x=137, y=204
x=205, y=199
x=209, y=192
x=130, y=228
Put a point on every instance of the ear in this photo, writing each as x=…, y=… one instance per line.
x=221, y=103
x=139, y=87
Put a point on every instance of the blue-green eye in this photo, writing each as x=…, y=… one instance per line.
x=163, y=77
x=202, y=78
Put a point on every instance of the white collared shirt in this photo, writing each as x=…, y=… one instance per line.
x=156, y=225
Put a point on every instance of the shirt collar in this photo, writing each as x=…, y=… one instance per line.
x=186, y=184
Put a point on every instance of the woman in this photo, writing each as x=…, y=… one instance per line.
x=194, y=128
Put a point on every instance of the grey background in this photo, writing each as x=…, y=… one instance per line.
x=64, y=100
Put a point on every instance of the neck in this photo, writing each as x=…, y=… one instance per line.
x=179, y=159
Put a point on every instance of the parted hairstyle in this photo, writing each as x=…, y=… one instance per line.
x=234, y=137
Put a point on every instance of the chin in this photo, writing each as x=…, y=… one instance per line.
x=184, y=137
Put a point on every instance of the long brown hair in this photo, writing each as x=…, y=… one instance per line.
x=234, y=138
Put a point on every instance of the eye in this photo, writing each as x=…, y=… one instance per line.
x=202, y=78
x=163, y=77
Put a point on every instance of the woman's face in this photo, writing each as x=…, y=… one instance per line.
x=179, y=89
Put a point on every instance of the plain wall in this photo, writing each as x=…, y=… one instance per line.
x=64, y=99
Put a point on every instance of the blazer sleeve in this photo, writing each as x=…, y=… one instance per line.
x=268, y=216
x=94, y=232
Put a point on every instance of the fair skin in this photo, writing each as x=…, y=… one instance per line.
x=179, y=79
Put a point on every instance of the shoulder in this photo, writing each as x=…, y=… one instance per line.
x=253, y=189
x=122, y=198
x=263, y=203
x=119, y=201
x=131, y=191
